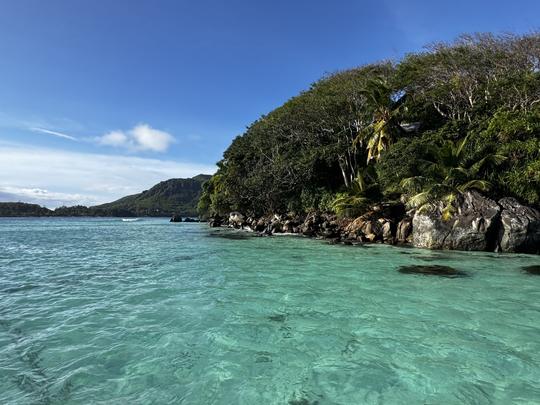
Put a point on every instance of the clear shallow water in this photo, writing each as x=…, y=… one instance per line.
x=105, y=311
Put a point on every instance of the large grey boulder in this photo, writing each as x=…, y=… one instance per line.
x=520, y=227
x=473, y=226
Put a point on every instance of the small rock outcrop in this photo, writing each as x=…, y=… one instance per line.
x=189, y=219
x=215, y=221
x=472, y=227
x=176, y=218
x=520, y=228
x=477, y=223
x=377, y=225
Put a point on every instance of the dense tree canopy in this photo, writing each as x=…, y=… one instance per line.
x=393, y=120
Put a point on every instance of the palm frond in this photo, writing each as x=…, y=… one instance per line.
x=414, y=184
x=346, y=202
x=492, y=159
x=461, y=145
x=420, y=199
x=482, y=185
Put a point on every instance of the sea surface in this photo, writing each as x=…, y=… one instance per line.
x=101, y=311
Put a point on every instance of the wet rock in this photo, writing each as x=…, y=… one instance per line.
x=404, y=230
x=311, y=224
x=236, y=219
x=520, y=227
x=535, y=270
x=188, y=219
x=275, y=227
x=176, y=218
x=260, y=225
x=378, y=224
x=288, y=226
x=472, y=227
x=387, y=234
x=215, y=221
x=442, y=271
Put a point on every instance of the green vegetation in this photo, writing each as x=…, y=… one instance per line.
x=171, y=197
x=446, y=174
x=458, y=116
x=18, y=209
x=174, y=196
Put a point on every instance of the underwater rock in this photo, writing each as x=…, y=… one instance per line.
x=434, y=270
x=278, y=318
x=532, y=270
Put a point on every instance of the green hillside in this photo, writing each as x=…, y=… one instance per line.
x=174, y=196
x=19, y=209
x=170, y=197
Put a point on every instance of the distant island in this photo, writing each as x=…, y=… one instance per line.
x=165, y=199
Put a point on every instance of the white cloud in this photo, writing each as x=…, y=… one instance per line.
x=140, y=138
x=54, y=133
x=43, y=197
x=54, y=177
x=114, y=138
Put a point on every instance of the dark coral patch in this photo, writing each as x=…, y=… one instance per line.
x=535, y=270
x=231, y=235
x=278, y=318
x=442, y=271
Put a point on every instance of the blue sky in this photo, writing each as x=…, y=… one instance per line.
x=99, y=99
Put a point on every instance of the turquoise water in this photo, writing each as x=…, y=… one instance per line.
x=108, y=312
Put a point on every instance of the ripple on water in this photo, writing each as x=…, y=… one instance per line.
x=94, y=311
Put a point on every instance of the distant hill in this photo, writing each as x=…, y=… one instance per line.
x=19, y=209
x=174, y=196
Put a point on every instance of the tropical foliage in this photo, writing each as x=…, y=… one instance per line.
x=435, y=124
x=448, y=173
x=358, y=195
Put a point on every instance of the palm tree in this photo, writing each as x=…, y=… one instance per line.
x=356, y=197
x=447, y=174
x=384, y=127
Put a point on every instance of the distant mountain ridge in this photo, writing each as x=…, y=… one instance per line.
x=167, y=198
x=174, y=196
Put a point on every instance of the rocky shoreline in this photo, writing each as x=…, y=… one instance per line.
x=478, y=223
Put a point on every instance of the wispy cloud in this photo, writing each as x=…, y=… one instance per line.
x=43, y=197
x=54, y=133
x=140, y=138
x=53, y=177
